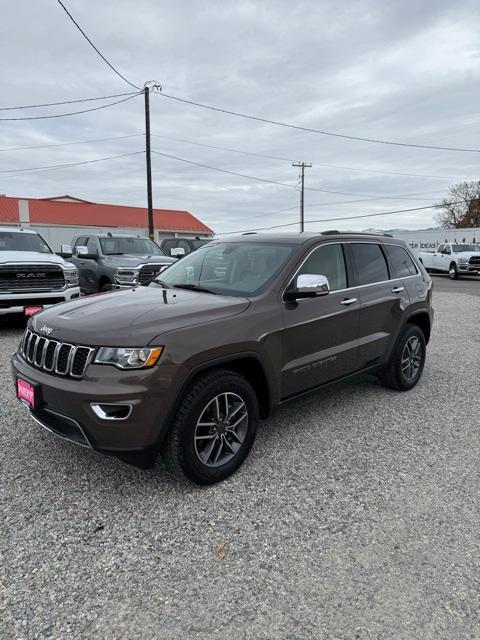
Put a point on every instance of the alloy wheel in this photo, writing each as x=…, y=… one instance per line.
x=411, y=358
x=221, y=429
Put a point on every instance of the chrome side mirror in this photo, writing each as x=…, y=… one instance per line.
x=179, y=252
x=309, y=285
x=65, y=251
x=81, y=251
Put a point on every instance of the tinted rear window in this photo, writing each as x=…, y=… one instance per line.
x=401, y=264
x=370, y=265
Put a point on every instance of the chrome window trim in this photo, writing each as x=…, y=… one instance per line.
x=358, y=286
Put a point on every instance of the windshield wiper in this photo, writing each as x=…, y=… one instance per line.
x=193, y=287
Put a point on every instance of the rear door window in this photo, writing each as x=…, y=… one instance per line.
x=400, y=262
x=370, y=264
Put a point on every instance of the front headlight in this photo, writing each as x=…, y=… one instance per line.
x=129, y=357
x=463, y=260
x=126, y=276
x=71, y=278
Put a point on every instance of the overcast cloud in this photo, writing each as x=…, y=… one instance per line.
x=406, y=71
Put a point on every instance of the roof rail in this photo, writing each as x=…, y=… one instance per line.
x=330, y=232
x=249, y=233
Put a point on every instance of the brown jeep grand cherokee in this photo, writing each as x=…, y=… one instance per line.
x=187, y=365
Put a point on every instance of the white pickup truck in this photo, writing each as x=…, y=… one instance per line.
x=454, y=259
x=32, y=276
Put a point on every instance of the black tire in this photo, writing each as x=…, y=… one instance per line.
x=393, y=375
x=105, y=286
x=180, y=448
x=453, y=272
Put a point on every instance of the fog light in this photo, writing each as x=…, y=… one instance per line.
x=112, y=411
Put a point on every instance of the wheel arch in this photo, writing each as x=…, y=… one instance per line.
x=422, y=320
x=247, y=364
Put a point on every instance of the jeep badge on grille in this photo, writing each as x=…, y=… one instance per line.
x=46, y=330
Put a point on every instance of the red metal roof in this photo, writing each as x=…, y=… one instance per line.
x=81, y=214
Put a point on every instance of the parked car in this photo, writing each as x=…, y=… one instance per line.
x=454, y=259
x=187, y=365
x=179, y=247
x=107, y=261
x=31, y=275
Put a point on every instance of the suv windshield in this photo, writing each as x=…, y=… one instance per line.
x=228, y=268
x=20, y=241
x=132, y=245
x=460, y=248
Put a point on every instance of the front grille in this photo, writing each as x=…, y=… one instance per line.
x=61, y=425
x=31, y=277
x=55, y=357
x=474, y=260
x=148, y=272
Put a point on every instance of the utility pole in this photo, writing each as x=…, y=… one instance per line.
x=148, y=157
x=302, y=177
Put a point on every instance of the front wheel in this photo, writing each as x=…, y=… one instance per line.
x=213, y=429
x=452, y=272
x=405, y=366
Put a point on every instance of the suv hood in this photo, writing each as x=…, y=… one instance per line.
x=129, y=260
x=133, y=317
x=33, y=257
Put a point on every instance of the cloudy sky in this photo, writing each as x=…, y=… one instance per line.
x=404, y=71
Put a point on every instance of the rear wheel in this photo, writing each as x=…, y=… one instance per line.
x=405, y=366
x=213, y=429
x=452, y=272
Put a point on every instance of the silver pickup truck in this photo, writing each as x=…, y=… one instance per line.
x=454, y=259
x=31, y=275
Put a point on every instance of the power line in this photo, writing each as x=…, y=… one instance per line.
x=72, y=113
x=275, y=182
x=217, y=148
x=321, y=164
x=368, y=215
x=318, y=131
x=56, y=104
x=64, y=165
x=67, y=144
x=94, y=47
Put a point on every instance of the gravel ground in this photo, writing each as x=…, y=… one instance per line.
x=355, y=517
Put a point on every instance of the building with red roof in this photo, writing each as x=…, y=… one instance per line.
x=60, y=218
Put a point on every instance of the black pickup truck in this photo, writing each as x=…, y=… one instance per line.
x=107, y=262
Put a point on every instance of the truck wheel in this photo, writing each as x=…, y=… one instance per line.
x=105, y=286
x=213, y=429
x=452, y=272
x=405, y=366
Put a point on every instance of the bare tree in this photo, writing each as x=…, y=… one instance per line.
x=461, y=208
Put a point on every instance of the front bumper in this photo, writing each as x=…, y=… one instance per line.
x=16, y=302
x=66, y=405
x=469, y=269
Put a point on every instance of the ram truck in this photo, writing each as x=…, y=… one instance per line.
x=454, y=259
x=112, y=261
x=32, y=276
x=186, y=366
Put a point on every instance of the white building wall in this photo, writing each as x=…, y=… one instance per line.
x=430, y=239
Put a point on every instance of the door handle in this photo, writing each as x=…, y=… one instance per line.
x=398, y=289
x=348, y=301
